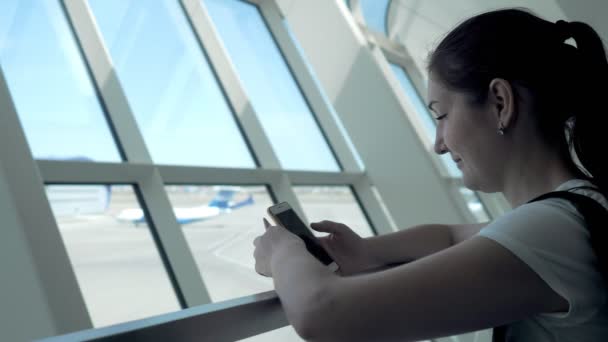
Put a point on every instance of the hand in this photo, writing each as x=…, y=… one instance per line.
x=266, y=244
x=347, y=248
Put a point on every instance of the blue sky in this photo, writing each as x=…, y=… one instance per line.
x=374, y=12
x=175, y=98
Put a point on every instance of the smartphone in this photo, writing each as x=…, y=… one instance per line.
x=284, y=215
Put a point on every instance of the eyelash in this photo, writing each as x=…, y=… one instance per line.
x=441, y=117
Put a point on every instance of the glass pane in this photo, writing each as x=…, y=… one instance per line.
x=474, y=204
x=411, y=92
x=220, y=224
x=50, y=85
x=374, y=13
x=274, y=94
x=423, y=113
x=117, y=265
x=328, y=103
x=333, y=203
x=173, y=92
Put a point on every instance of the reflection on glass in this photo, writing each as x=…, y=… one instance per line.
x=220, y=224
x=116, y=262
x=172, y=90
x=474, y=205
x=333, y=203
x=374, y=13
x=50, y=85
x=283, y=112
x=423, y=113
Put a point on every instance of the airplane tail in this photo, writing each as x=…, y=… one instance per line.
x=223, y=200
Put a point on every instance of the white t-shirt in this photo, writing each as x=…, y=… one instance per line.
x=550, y=237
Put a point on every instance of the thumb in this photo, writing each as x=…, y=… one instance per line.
x=327, y=227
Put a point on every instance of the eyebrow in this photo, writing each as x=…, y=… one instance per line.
x=430, y=106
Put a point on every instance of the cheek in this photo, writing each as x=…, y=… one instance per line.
x=454, y=135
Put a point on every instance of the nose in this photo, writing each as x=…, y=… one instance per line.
x=439, y=146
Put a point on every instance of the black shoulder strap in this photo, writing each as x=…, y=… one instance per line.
x=596, y=221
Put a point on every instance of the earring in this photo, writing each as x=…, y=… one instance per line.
x=501, y=130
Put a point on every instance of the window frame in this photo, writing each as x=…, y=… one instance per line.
x=149, y=179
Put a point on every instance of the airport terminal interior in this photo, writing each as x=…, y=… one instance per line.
x=141, y=143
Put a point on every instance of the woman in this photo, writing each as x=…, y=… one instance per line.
x=513, y=102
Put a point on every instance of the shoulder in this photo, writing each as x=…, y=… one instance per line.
x=540, y=222
x=551, y=238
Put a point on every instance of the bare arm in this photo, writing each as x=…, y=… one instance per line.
x=419, y=241
x=474, y=285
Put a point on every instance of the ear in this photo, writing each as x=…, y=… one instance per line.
x=501, y=98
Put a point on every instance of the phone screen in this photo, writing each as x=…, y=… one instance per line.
x=290, y=220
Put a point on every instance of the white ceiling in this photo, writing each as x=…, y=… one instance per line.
x=420, y=24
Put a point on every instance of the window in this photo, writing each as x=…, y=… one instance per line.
x=474, y=205
x=375, y=14
x=333, y=203
x=174, y=95
x=328, y=103
x=220, y=224
x=274, y=94
x=423, y=113
x=118, y=268
x=50, y=85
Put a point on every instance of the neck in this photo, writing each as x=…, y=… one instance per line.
x=539, y=170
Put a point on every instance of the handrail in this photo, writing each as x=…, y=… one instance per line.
x=223, y=321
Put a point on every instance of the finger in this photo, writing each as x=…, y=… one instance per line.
x=266, y=223
x=327, y=226
x=324, y=242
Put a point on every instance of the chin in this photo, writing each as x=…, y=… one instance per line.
x=470, y=185
x=476, y=185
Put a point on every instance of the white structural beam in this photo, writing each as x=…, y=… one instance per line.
x=244, y=111
x=354, y=78
x=39, y=292
x=320, y=108
x=169, y=238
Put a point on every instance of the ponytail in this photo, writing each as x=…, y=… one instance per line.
x=586, y=136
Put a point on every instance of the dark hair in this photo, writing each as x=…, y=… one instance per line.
x=563, y=80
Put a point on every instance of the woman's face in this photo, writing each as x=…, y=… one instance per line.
x=468, y=132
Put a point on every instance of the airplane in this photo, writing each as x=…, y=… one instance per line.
x=83, y=199
x=220, y=204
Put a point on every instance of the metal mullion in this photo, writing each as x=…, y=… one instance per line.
x=85, y=172
x=282, y=191
x=495, y=203
x=208, y=175
x=170, y=240
x=380, y=220
x=404, y=60
x=323, y=178
x=280, y=185
x=357, y=12
x=225, y=71
x=312, y=94
x=360, y=184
